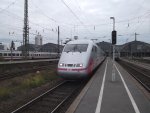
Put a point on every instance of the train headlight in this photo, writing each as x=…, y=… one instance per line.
x=79, y=65
x=61, y=64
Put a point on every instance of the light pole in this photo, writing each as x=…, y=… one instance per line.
x=113, y=44
x=113, y=22
x=113, y=30
x=11, y=49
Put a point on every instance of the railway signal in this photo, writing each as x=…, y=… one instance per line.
x=114, y=37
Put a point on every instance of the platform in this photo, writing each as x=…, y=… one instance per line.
x=122, y=94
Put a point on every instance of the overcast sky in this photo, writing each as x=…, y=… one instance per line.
x=85, y=18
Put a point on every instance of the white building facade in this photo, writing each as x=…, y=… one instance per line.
x=38, y=39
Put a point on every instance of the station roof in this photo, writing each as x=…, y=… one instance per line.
x=134, y=46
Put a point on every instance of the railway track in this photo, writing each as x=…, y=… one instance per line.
x=143, y=60
x=138, y=63
x=141, y=74
x=8, y=75
x=54, y=100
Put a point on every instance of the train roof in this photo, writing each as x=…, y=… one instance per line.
x=15, y=51
x=7, y=51
x=81, y=42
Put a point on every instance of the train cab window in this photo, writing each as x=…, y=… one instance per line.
x=76, y=48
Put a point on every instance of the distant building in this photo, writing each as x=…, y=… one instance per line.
x=106, y=47
x=76, y=37
x=135, y=49
x=31, y=47
x=50, y=47
x=3, y=47
x=38, y=40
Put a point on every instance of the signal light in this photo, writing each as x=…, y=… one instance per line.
x=114, y=36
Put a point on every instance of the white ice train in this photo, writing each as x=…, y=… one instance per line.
x=79, y=58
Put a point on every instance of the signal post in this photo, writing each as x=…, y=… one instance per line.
x=113, y=36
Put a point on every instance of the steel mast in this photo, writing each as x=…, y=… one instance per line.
x=25, y=49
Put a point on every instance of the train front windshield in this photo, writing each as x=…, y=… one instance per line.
x=76, y=48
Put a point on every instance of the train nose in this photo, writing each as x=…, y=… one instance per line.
x=72, y=73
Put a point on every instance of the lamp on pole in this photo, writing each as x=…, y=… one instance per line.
x=113, y=44
x=113, y=22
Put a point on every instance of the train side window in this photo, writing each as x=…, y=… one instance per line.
x=0, y=54
x=5, y=54
x=96, y=49
x=93, y=49
x=20, y=54
x=13, y=54
x=17, y=54
x=9, y=54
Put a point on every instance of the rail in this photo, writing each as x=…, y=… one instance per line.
x=8, y=75
x=27, y=61
x=141, y=74
x=51, y=100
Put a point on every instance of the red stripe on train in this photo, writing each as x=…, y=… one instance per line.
x=81, y=69
x=90, y=66
x=65, y=69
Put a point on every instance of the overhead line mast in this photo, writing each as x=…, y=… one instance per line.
x=58, y=42
x=25, y=49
